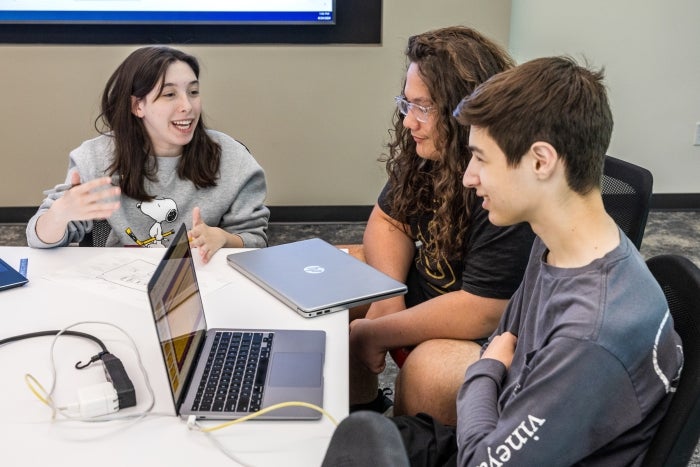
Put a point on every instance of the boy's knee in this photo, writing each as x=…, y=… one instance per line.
x=366, y=438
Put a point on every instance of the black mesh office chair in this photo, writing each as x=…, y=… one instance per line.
x=678, y=433
x=98, y=235
x=626, y=192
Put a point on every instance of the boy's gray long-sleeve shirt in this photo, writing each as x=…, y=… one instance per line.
x=236, y=204
x=595, y=364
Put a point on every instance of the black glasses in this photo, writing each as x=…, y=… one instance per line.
x=421, y=113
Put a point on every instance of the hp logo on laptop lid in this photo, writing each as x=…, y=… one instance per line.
x=314, y=269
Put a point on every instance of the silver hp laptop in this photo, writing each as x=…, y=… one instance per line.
x=313, y=277
x=228, y=373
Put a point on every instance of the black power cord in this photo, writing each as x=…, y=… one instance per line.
x=53, y=333
x=114, y=369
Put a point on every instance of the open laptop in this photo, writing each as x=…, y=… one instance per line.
x=9, y=277
x=313, y=277
x=290, y=366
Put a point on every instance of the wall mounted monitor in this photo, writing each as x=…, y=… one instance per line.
x=167, y=11
x=187, y=21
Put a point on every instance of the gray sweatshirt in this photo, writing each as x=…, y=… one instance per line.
x=595, y=365
x=236, y=204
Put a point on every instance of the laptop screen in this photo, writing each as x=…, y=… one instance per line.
x=178, y=312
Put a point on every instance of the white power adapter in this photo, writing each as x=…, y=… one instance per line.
x=98, y=399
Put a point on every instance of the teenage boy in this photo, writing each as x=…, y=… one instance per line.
x=585, y=360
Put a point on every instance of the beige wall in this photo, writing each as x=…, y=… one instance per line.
x=650, y=53
x=315, y=117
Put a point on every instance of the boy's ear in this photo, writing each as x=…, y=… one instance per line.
x=136, y=107
x=544, y=159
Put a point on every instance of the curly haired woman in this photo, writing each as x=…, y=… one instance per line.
x=430, y=232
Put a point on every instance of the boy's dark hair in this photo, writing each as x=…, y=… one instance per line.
x=550, y=99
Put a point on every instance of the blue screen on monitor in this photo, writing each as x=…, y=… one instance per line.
x=168, y=12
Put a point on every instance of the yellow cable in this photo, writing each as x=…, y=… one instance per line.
x=270, y=409
x=31, y=380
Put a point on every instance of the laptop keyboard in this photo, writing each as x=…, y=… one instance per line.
x=234, y=376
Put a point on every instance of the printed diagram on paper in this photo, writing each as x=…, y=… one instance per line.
x=134, y=275
x=123, y=277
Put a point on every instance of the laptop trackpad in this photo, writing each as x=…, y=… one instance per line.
x=296, y=369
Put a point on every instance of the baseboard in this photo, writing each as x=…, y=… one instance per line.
x=675, y=201
x=16, y=215
x=316, y=214
x=293, y=214
x=359, y=213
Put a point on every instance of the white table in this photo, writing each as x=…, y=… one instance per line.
x=64, y=288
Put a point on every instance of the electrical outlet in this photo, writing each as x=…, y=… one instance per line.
x=696, y=142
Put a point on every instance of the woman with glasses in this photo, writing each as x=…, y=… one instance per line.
x=430, y=232
x=154, y=166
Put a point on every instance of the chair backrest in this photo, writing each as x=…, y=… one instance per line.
x=678, y=433
x=626, y=192
x=98, y=235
